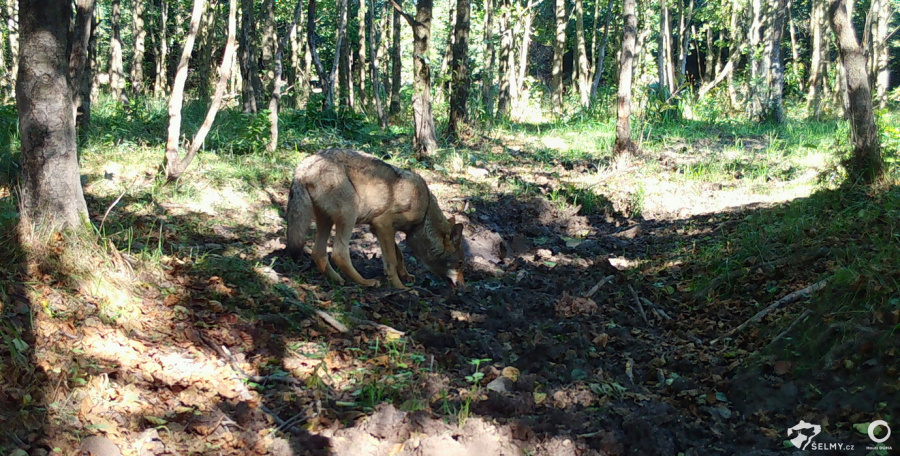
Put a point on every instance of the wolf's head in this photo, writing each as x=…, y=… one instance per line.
x=438, y=243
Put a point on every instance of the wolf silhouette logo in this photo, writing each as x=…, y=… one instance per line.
x=803, y=433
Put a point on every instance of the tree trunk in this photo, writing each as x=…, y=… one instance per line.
x=176, y=166
x=865, y=165
x=340, y=49
x=443, y=85
x=583, y=83
x=346, y=96
x=504, y=101
x=525, y=45
x=624, y=144
x=684, y=32
x=251, y=89
x=487, y=74
x=160, y=82
x=767, y=69
x=268, y=47
x=796, y=64
x=559, y=49
x=205, y=48
x=359, y=60
x=140, y=36
x=374, y=63
x=79, y=64
x=116, y=71
x=12, y=29
x=176, y=100
x=817, y=58
x=278, y=82
x=396, y=63
x=299, y=77
x=661, y=55
x=601, y=56
x=51, y=195
x=880, y=56
x=459, y=69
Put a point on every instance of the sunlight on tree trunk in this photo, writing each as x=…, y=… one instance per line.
x=559, y=48
x=140, y=34
x=396, y=63
x=359, y=60
x=817, y=61
x=116, y=71
x=601, y=55
x=581, y=59
x=162, y=52
x=504, y=103
x=79, y=64
x=880, y=49
x=487, y=74
x=278, y=81
x=12, y=30
x=865, y=165
x=251, y=89
x=50, y=195
x=624, y=144
x=172, y=164
x=374, y=63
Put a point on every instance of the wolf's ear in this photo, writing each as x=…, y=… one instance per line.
x=456, y=233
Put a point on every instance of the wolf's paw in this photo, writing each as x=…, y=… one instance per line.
x=370, y=283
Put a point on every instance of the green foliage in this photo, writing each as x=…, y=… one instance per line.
x=662, y=104
x=9, y=144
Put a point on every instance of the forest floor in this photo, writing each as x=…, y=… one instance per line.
x=603, y=314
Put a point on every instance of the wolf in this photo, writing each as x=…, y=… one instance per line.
x=342, y=188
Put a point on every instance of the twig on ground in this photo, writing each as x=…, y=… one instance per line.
x=662, y=313
x=385, y=329
x=331, y=321
x=294, y=420
x=767, y=267
x=637, y=301
x=790, y=328
x=597, y=287
x=790, y=298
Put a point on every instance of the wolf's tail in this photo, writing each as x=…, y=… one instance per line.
x=299, y=218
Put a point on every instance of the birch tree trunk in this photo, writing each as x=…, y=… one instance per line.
x=176, y=99
x=624, y=144
x=865, y=165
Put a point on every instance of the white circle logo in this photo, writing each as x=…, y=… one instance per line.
x=874, y=425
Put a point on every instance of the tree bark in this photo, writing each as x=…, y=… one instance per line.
x=79, y=64
x=51, y=195
x=299, y=77
x=374, y=63
x=559, y=49
x=684, y=33
x=865, y=165
x=797, y=64
x=487, y=75
x=251, y=89
x=116, y=71
x=524, y=46
x=396, y=63
x=268, y=46
x=817, y=58
x=880, y=54
x=359, y=60
x=12, y=30
x=278, y=81
x=425, y=139
x=176, y=99
x=340, y=49
x=459, y=68
x=583, y=83
x=205, y=46
x=140, y=37
x=767, y=68
x=504, y=100
x=601, y=56
x=346, y=96
x=160, y=82
x=624, y=144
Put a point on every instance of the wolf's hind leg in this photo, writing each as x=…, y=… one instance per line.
x=320, y=252
x=341, y=253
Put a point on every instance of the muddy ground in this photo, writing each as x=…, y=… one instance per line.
x=585, y=351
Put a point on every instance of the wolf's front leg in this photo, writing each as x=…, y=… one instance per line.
x=341, y=255
x=395, y=270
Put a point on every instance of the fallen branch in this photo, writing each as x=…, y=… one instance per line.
x=792, y=297
x=637, y=300
x=385, y=329
x=331, y=321
x=767, y=267
x=599, y=284
x=656, y=309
